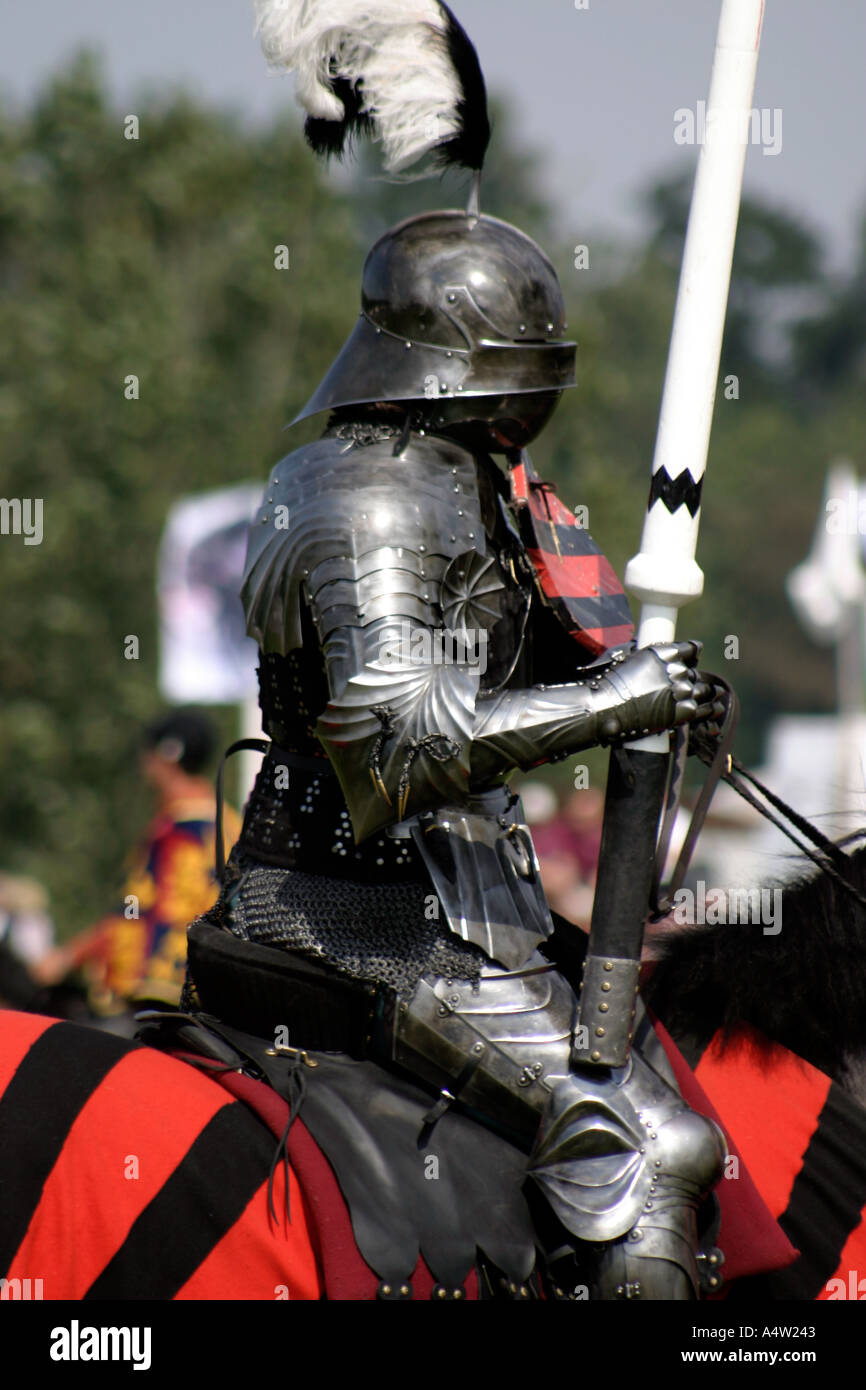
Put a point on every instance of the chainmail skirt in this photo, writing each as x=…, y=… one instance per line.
x=376, y=932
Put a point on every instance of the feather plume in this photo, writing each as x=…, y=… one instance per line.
x=403, y=72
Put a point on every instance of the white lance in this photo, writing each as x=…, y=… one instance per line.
x=664, y=574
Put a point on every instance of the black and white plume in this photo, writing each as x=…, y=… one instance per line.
x=403, y=72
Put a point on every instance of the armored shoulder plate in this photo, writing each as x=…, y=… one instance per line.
x=335, y=514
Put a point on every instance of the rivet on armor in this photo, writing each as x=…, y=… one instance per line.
x=441, y=1293
x=452, y=299
x=405, y=1290
x=478, y=1047
x=458, y=1293
x=522, y=328
x=595, y=1057
x=713, y=1259
x=408, y=345
x=608, y=965
x=449, y=354
x=606, y=986
x=386, y=1288
x=460, y=386
x=550, y=328
x=599, y=1032
x=636, y=1234
x=713, y=1281
x=653, y=1136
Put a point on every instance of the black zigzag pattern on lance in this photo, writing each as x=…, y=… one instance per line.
x=681, y=491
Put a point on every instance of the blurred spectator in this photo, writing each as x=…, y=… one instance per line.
x=26, y=934
x=136, y=956
x=25, y=923
x=567, y=843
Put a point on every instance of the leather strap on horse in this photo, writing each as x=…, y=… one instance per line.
x=831, y=855
x=712, y=744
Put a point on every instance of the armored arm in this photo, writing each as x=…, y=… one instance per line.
x=637, y=693
x=391, y=557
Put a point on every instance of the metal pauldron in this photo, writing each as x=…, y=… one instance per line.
x=621, y=1159
x=389, y=553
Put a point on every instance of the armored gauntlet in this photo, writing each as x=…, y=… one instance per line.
x=643, y=692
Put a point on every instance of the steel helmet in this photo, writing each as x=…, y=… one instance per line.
x=454, y=306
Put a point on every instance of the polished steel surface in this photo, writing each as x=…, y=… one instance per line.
x=452, y=306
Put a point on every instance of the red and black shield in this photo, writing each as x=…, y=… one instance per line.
x=573, y=577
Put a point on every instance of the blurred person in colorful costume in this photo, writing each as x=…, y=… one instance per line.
x=136, y=956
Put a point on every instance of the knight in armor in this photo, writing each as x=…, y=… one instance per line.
x=382, y=950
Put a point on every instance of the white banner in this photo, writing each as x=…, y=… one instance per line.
x=205, y=655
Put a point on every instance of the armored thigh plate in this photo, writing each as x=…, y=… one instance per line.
x=618, y=1155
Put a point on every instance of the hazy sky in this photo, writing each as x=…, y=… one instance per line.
x=595, y=90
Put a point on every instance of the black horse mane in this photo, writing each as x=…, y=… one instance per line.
x=804, y=987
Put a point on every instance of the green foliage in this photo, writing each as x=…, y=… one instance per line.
x=152, y=257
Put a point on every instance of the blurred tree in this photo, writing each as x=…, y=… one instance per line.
x=151, y=257
x=830, y=346
x=776, y=271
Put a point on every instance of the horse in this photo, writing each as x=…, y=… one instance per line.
x=773, y=1023
x=126, y=1173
